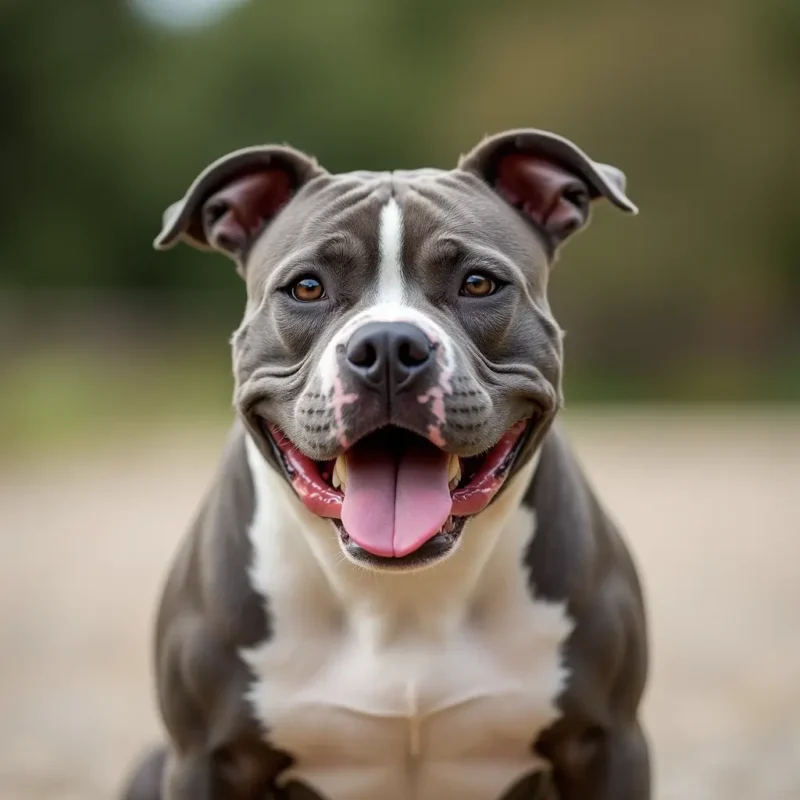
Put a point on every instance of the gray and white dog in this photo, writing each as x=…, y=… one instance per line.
x=400, y=585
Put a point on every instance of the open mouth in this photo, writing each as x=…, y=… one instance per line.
x=395, y=496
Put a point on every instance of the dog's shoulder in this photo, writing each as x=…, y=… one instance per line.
x=208, y=612
x=208, y=575
x=577, y=546
x=578, y=557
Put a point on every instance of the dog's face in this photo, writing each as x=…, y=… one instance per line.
x=398, y=358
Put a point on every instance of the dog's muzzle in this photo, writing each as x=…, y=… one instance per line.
x=397, y=485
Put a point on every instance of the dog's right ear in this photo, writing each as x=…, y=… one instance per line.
x=234, y=199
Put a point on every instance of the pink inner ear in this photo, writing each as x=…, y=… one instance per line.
x=551, y=196
x=235, y=214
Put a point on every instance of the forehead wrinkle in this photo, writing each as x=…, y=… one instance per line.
x=337, y=214
x=489, y=257
x=355, y=217
x=454, y=214
x=439, y=219
x=501, y=228
x=358, y=220
x=424, y=217
x=344, y=208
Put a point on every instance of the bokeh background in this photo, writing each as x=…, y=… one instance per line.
x=683, y=347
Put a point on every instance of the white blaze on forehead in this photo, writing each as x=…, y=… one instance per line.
x=390, y=238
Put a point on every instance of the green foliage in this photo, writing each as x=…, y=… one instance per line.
x=106, y=119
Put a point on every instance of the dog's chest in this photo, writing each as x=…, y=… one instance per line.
x=419, y=719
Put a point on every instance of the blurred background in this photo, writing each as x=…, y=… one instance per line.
x=683, y=347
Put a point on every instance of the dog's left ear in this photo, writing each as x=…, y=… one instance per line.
x=548, y=178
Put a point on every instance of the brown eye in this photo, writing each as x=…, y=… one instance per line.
x=307, y=290
x=478, y=285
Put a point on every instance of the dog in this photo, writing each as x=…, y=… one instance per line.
x=400, y=584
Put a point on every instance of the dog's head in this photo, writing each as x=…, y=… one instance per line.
x=398, y=359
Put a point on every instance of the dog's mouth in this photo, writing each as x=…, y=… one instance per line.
x=395, y=496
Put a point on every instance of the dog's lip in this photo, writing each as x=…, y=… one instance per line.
x=324, y=500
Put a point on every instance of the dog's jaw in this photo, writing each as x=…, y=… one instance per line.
x=315, y=544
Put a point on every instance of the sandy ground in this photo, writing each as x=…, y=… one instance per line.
x=710, y=504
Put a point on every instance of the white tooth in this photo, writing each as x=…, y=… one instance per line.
x=335, y=480
x=340, y=470
x=454, y=470
x=453, y=467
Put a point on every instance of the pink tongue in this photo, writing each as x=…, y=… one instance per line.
x=393, y=505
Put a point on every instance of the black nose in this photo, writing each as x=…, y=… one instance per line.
x=390, y=356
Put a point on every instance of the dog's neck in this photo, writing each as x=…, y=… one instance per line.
x=326, y=586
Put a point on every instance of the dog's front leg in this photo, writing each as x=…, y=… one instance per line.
x=613, y=764
x=200, y=776
x=195, y=777
x=216, y=750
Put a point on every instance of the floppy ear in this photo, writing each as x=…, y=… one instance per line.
x=548, y=178
x=231, y=201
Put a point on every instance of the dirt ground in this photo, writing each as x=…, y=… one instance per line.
x=710, y=504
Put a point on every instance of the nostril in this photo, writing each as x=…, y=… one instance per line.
x=413, y=353
x=363, y=354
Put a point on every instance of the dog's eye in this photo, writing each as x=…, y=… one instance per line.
x=478, y=285
x=307, y=290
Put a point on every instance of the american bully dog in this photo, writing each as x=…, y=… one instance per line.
x=400, y=585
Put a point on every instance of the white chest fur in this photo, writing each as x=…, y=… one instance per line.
x=415, y=686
